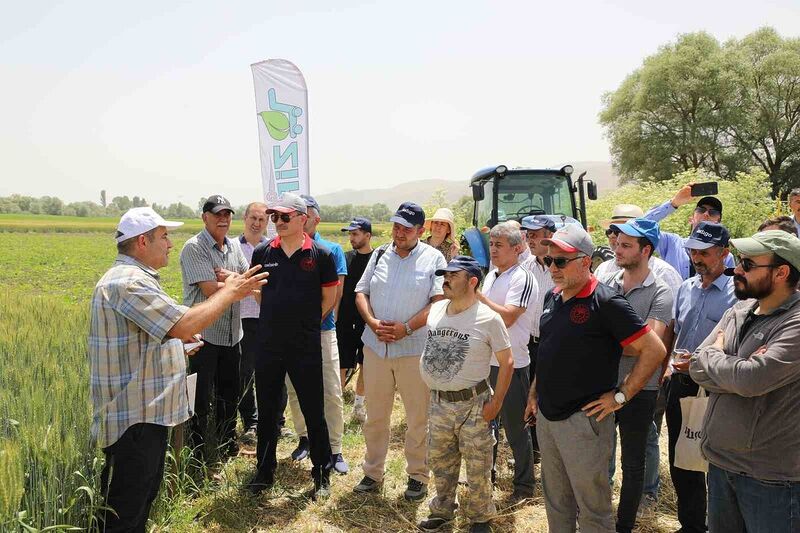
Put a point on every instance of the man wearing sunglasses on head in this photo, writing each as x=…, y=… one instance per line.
x=699, y=305
x=302, y=291
x=671, y=248
x=583, y=330
x=750, y=366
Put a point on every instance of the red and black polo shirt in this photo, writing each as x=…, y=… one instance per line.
x=580, y=347
x=291, y=301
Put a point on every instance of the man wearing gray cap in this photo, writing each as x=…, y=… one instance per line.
x=205, y=260
x=137, y=363
x=750, y=366
x=583, y=330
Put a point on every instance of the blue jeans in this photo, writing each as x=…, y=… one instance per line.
x=738, y=503
x=652, y=457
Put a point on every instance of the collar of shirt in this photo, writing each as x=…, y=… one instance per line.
x=243, y=240
x=649, y=280
x=525, y=255
x=720, y=282
x=533, y=261
x=414, y=251
x=128, y=260
x=586, y=291
x=209, y=241
x=497, y=272
x=276, y=242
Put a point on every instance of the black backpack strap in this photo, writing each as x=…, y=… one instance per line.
x=379, y=253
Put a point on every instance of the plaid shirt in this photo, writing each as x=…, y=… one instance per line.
x=137, y=374
x=199, y=256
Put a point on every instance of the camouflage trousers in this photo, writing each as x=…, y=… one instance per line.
x=456, y=430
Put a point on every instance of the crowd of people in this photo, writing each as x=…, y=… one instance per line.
x=561, y=357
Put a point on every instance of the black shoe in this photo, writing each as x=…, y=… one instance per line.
x=367, y=485
x=259, y=483
x=519, y=496
x=322, y=486
x=416, y=490
x=480, y=527
x=433, y=524
x=302, y=450
x=232, y=449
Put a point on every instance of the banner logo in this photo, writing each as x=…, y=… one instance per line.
x=281, y=119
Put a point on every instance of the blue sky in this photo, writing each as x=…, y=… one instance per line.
x=156, y=98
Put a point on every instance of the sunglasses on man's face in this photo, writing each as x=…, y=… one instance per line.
x=710, y=210
x=748, y=265
x=610, y=232
x=284, y=217
x=559, y=262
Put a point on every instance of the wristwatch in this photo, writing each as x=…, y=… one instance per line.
x=409, y=331
x=619, y=397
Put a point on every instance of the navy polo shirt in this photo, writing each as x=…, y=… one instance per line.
x=291, y=301
x=580, y=346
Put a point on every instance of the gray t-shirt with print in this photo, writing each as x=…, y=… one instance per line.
x=459, y=347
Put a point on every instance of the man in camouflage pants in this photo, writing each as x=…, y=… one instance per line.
x=463, y=334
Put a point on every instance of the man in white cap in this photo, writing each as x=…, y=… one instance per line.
x=137, y=363
x=584, y=327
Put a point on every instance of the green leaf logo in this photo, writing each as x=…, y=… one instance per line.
x=277, y=124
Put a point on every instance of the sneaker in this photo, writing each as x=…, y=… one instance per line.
x=360, y=413
x=518, y=497
x=647, y=506
x=259, y=483
x=286, y=433
x=480, y=527
x=416, y=490
x=339, y=464
x=322, y=488
x=367, y=485
x=249, y=438
x=433, y=524
x=302, y=450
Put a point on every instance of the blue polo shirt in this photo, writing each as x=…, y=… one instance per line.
x=341, y=270
x=697, y=310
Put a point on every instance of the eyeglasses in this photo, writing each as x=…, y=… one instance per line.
x=710, y=210
x=285, y=217
x=748, y=265
x=559, y=262
x=610, y=232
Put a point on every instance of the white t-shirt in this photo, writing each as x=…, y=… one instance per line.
x=516, y=286
x=459, y=347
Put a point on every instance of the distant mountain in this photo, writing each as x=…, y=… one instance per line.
x=421, y=190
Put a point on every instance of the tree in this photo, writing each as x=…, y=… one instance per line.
x=123, y=203
x=103, y=198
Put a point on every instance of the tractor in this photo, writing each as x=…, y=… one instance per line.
x=500, y=194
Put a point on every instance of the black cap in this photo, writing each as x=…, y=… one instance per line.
x=310, y=202
x=216, y=203
x=712, y=201
x=707, y=234
x=463, y=262
x=361, y=223
x=409, y=214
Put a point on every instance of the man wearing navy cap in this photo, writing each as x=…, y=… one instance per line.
x=463, y=333
x=332, y=385
x=349, y=324
x=699, y=305
x=584, y=328
x=651, y=298
x=671, y=247
x=393, y=297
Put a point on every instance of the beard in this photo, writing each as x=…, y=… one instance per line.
x=743, y=289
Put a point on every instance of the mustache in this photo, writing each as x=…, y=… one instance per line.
x=740, y=279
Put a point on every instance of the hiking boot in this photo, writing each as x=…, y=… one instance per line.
x=260, y=483
x=480, y=527
x=415, y=491
x=302, y=450
x=367, y=485
x=518, y=497
x=339, y=464
x=433, y=524
x=249, y=437
x=360, y=413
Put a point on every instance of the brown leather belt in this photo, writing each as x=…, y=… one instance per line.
x=463, y=394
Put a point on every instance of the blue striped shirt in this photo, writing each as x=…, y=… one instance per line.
x=398, y=288
x=329, y=322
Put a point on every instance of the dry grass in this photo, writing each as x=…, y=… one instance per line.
x=288, y=507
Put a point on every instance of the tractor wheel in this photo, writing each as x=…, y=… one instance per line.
x=601, y=255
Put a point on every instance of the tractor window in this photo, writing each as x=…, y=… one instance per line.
x=520, y=195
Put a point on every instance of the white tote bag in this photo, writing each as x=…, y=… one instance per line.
x=687, y=450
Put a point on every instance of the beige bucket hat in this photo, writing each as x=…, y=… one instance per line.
x=443, y=214
x=622, y=213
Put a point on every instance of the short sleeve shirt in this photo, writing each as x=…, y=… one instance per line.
x=460, y=346
x=199, y=257
x=136, y=372
x=580, y=347
x=291, y=301
x=341, y=270
x=515, y=286
x=652, y=300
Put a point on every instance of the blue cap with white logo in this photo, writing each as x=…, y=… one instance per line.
x=535, y=222
x=409, y=215
x=707, y=234
x=640, y=227
x=463, y=262
x=362, y=223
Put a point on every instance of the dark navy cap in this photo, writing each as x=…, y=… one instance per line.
x=707, y=234
x=640, y=227
x=361, y=223
x=465, y=263
x=535, y=222
x=310, y=202
x=409, y=214
x=711, y=201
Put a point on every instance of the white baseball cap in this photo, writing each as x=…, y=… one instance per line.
x=140, y=220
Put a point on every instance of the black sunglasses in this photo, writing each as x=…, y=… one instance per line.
x=748, y=265
x=710, y=210
x=610, y=232
x=285, y=217
x=559, y=262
